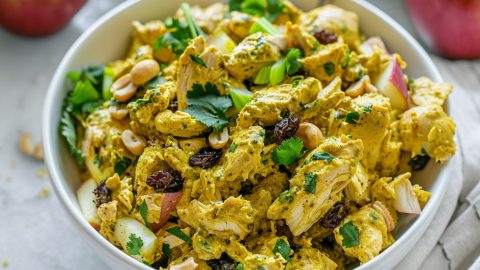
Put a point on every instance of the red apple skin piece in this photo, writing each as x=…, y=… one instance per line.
x=391, y=83
x=451, y=27
x=169, y=204
x=37, y=17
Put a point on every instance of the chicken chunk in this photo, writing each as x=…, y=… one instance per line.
x=333, y=18
x=121, y=191
x=298, y=38
x=368, y=120
x=107, y=213
x=389, y=160
x=424, y=92
x=233, y=216
x=368, y=226
x=178, y=124
x=428, y=129
x=251, y=54
x=267, y=105
x=326, y=63
x=154, y=101
x=359, y=188
x=317, y=184
x=311, y=259
x=237, y=26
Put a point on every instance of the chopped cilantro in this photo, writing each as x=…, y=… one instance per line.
x=233, y=147
x=271, y=9
x=143, y=209
x=323, y=156
x=97, y=161
x=198, y=60
x=275, y=8
x=352, y=117
x=367, y=109
x=67, y=128
x=288, y=152
x=350, y=235
x=329, y=68
x=122, y=165
x=178, y=233
x=310, y=182
x=283, y=249
x=293, y=61
x=166, y=250
x=286, y=196
x=142, y=102
x=347, y=60
x=134, y=245
x=207, y=106
x=373, y=216
x=296, y=81
x=240, y=266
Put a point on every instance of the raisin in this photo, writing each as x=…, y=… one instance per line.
x=223, y=263
x=173, y=106
x=205, y=158
x=334, y=216
x=102, y=193
x=325, y=36
x=165, y=181
x=246, y=188
x=419, y=162
x=285, y=129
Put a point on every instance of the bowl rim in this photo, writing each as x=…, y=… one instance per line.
x=58, y=180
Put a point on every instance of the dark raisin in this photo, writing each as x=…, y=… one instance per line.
x=173, y=106
x=325, y=36
x=205, y=158
x=247, y=187
x=223, y=263
x=165, y=181
x=419, y=162
x=285, y=129
x=102, y=193
x=334, y=216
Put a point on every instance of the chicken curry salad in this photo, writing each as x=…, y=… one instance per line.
x=253, y=135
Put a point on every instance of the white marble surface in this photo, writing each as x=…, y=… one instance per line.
x=35, y=232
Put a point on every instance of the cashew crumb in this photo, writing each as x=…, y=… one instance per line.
x=44, y=192
x=42, y=172
x=25, y=144
x=38, y=152
x=5, y=263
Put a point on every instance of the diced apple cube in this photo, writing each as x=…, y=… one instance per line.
x=391, y=83
x=86, y=200
x=369, y=46
x=221, y=41
x=127, y=226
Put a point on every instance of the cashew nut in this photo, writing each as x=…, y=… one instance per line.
x=38, y=152
x=218, y=140
x=144, y=71
x=193, y=145
x=188, y=264
x=134, y=143
x=123, y=89
x=358, y=88
x=117, y=113
x=310, y=134
x=389, y=222
x=25, y=144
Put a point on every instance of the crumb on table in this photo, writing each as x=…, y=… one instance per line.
x=44, y=192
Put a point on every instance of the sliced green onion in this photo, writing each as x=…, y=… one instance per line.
x=107, y=83
x=263, y=75
x=277, y=74
x=195, y=31
x=263, y=25
x=178, y=233
x=240, y=97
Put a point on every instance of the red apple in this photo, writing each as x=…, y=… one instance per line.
x=368, y=47
x=451, y=27
x=169, y=204
x=391, y=83
x=37, y=17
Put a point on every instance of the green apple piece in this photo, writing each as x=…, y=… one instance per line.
x=86, y=200
x=391, y=83
x=222, y=41
x=127, y=226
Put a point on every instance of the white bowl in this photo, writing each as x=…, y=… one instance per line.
x=109, y=38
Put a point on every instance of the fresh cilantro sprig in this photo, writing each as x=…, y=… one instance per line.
x=283, y=249
x=178, y=233
x=121, y=165
x=143, y=209
x=293, y=61
x=271, y=9
x=350, y=234
x=288, y=152
x=134, y=245
x=67, y=129
x=352, y=117
x=206, y=105
x=310, y=183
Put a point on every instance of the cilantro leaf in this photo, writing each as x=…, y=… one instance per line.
x=346, y=62
x=292, y=61
x=373, y=216
x=329, y=68
x=134, y=245
x=283, y=248
x=67, y=129
x=233, y=147
x=177, y=40
x=198, y=60
x=207, y=106
x=271, y=9
x=288, y=152
x=240, y=266
x=350, y=235
x=143, y=209
x=122, y=165
x=234, y=5
x=275, y=8
x=310, y=182
x=178, y=233
x=286, y=196
x=352, y=117
x=83, y=92
x=367, y=108
x=322, y=156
